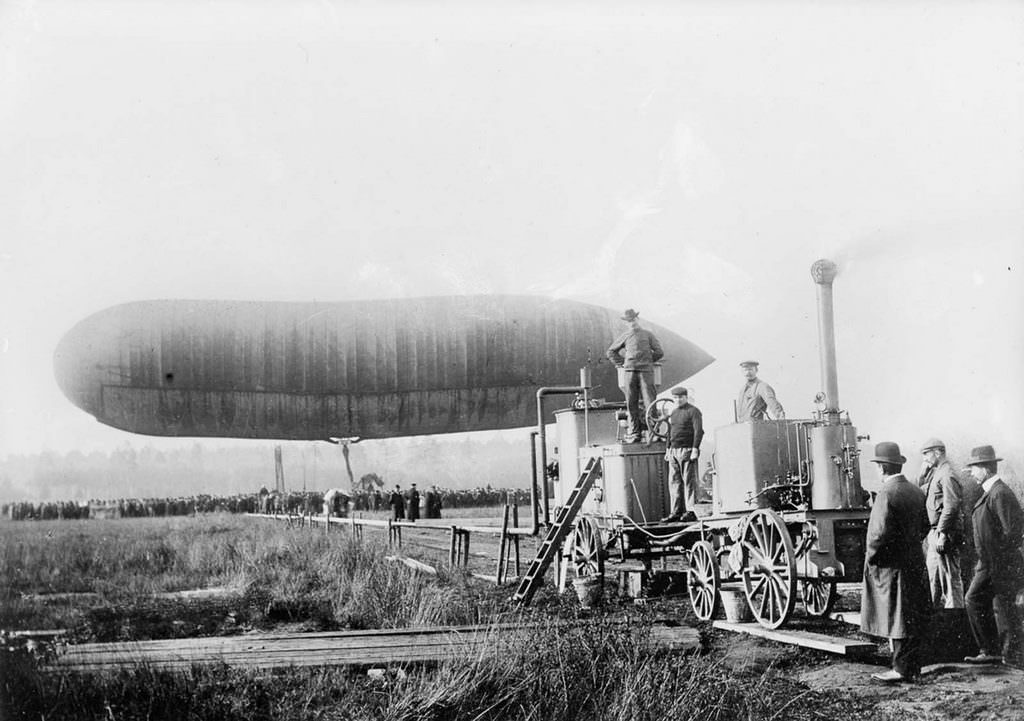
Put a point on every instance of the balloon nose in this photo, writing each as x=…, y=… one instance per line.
x=82, y=360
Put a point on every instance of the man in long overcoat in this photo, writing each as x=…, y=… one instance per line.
x=999, y=573
x=895, y=600
x=414, y=503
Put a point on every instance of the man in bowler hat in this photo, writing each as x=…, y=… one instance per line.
x=894, y=601
x=636, y=351
x=999, y=573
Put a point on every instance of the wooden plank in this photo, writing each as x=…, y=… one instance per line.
x=807, y=639
x=357, y=648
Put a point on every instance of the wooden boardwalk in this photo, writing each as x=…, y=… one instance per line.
x=362, y=649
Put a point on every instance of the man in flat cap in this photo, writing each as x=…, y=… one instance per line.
x=686, y=431
x=756, y=397
x=999, y=573
x=636, y=351
x=894, y=600
x=944, y=503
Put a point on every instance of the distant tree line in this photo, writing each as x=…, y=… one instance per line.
x=150, y=471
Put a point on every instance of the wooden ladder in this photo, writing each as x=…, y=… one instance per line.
x=557, y=533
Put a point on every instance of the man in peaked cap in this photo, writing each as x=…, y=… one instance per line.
x=756, y=397
x=894, y=600
x=998, y=575
x=686, y=431
x=944, y=503
x=636, y=351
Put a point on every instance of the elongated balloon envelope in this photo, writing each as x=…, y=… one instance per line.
x=309, y=371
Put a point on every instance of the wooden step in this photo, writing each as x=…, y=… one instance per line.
x=807, y=639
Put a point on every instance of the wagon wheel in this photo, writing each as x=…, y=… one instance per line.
x=657, y=418
x=702, y=580
x=769, y=576
x=586, y=551
x=820, y=595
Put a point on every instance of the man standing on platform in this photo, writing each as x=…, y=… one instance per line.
x=999, y=573
x=686, y=431
x=894, y=601
x=944, y=503
x=756, y=397
x=635, y=352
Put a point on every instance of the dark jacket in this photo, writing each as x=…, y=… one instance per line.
x=397, y=504
x=636, y=350
x=895, y=600
x=998, y=530
x=686, y=427
x=414, y=504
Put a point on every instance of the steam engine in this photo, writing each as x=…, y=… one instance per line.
x=787, y=502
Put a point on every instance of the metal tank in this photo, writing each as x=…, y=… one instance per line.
x=800, y=464
x=308, y=371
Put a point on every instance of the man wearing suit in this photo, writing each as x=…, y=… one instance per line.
x=999, y=573
x=894, y=601
x=943, y=501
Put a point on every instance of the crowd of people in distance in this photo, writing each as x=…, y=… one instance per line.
x=293, y=502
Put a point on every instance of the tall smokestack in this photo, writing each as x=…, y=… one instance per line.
x=824, y=272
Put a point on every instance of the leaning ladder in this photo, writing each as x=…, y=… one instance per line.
x=557, y=533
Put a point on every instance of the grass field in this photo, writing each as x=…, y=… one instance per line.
x=301, y=579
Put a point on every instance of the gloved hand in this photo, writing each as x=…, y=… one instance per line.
x=694, y=453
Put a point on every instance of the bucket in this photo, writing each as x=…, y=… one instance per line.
x=589, y=589
x=735, y=605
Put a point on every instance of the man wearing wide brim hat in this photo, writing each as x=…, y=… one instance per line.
x=636, y=351
x=894, y=600
x=944, y=504
x=756, y=397
x=999, y=573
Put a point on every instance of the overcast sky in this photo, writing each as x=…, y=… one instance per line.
x=690, y=160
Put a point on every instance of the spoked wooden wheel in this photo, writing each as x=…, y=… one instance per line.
x=819, y=596
x=769, y=574
x=703, y=580
x=586, y=552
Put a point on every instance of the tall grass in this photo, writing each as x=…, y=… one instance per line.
x=596, y=671
x=279, y=575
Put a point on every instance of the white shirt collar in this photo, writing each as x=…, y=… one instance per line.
x=987, y=485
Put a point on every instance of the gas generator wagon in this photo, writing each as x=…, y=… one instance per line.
x=788, y=515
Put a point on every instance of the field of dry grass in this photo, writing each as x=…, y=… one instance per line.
x=115, y=580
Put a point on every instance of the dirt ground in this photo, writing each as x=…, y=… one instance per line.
x=943, y=692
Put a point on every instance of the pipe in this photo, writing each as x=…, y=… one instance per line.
x=541, y=392
x=533, y=486
x=824, y=272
